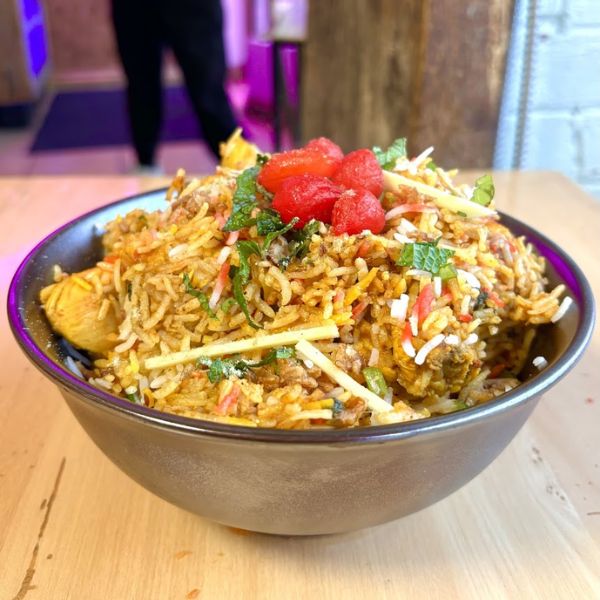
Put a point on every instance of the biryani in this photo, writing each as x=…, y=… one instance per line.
x=306, y=290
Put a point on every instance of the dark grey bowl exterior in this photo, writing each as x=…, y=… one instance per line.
x=282, y=482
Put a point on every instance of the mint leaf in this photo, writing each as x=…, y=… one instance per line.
x=200, y=296
x=241, y=275
x=425, y=256
x=227, y=304
x=300, y=243
x=484, y=190
x=269, y=224
x=387, y=158
x=224, y=368
x=447, y=271
x=244, y=201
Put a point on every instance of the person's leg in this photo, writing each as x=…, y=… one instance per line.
x=139, y=43
x=193, y=29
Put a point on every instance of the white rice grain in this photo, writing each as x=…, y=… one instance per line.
x=469, y=278
x=472, y=338
x=562, y=309
x=434, y=342
x=224, y=255
x=408, y=348
x=399, y=307
x=72, y=366
x=374, y=358
x=540, y=362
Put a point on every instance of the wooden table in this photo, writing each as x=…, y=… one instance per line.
x=73, y=526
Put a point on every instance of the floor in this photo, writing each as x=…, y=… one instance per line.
x=194, y=157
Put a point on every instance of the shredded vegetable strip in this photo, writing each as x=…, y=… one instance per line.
x=284, y=338
x=307, y=351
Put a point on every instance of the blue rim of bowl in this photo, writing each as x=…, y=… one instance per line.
x=529, y=390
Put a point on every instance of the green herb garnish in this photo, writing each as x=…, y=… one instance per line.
x=244, y=201
x=227, y=304
x=262, y=159
x=200, y=296
x=300, y=242
x=484, y=190
x=241, y=275
x=481, y=300
x=387, y=158
x=224, y=368
x=338, y=407
x=269, y=224
x=133, y=398
x=425, y=256
x=447, y=271
x=431, y=166
x=375, y=381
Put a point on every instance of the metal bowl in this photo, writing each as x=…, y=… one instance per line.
x=289, y=482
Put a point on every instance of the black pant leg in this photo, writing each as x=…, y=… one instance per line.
x=137, y=29
x=194, y=30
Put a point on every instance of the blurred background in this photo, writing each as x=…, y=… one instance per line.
x=509, y=84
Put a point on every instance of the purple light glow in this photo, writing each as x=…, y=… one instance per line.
x=562, y=268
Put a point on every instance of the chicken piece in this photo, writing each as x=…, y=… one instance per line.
x=73, y=307
x=237, y=153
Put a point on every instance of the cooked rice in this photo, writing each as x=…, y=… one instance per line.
x=467, y=350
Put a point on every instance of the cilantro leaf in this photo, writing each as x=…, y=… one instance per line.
x=241, y=275
x=387, y=158
x=425, y=256
x=484, y=190
x=244, y=201
x=298, y=247
x=269, y=224
x=200, y=296
x=224, y=368
x=431, y=166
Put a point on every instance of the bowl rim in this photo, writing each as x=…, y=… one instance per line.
x=529, y=390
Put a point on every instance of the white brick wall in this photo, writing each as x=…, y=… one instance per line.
x=563, y=117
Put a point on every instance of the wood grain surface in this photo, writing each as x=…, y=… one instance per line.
x=430, y=70
x=72, y=526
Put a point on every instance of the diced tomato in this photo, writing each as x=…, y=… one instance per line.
x=111, y=259
x=402, y=209
x=360, y=170
x=301, y=161
x=424, y=301
x=496, y=370
x=232, y=238
x=228, y=401
x=329, y=150
x=465, y=318
x=356, y=211
x=306, y=197
x=360, y=308
x=219, y=285
x=220, y=219
x=363, y=248
x=493, y=296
